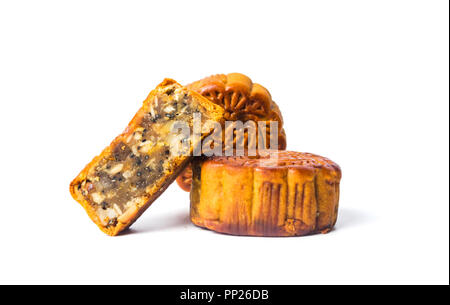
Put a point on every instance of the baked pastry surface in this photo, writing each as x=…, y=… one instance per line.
x=242, y=100
x=286, y=194
x=121, y=183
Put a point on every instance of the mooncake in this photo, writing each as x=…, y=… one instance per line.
x=242, y=100
x=121, y=183
x=281, y=194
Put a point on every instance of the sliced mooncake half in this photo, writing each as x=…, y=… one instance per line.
x=122, y=182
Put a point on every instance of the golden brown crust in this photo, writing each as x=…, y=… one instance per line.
x=153, y=191
x=242, y=100
x=184, y=179
x=239, y=96
x=287, y=194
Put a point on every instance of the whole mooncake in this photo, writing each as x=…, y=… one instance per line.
x=284, y=194
x=121, y=183
x=243, y=101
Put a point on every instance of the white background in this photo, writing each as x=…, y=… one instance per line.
x=364, y=83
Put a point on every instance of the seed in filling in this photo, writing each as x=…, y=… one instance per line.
x=105, y=205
